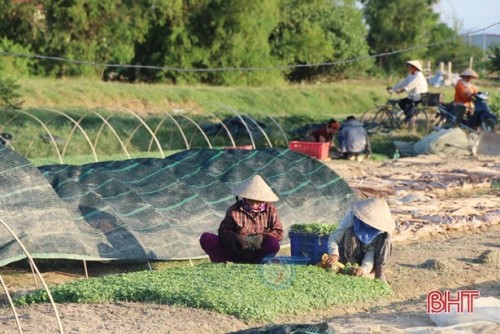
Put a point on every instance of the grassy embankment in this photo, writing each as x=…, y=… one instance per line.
x=161, y=107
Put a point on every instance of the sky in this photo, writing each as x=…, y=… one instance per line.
x=471, y=15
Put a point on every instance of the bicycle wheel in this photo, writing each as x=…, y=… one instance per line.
x=384, y=119
x=367, y=117
x=367, y=120
x=419, y=122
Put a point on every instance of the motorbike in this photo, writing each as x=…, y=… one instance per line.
x=480, y=118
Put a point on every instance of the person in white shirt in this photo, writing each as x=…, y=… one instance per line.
x=363, y=237
x=415, y=84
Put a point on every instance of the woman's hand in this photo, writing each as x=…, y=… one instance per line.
x=332, y=259
x=250, y=242
x=242, y=239
x=254, y=241
x=357, y=272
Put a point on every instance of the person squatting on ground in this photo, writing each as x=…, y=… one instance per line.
x=464, y=90
x=353, y=140
x=250, y=230
x=363, y=237
x=415, y=84
x=326, y=133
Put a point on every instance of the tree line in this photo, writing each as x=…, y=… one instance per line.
x=192, y=40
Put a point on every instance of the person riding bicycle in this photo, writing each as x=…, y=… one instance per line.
x=415, y=84
x=464, y=90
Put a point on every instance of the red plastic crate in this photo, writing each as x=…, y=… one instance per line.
x=313, y=149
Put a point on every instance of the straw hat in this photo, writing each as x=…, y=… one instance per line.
x=257, y=189
x=469, y=73
x=374, y=212
x=416, y=63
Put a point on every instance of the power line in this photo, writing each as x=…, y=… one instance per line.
x=246, y=69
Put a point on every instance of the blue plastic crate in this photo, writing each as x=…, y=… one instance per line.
x=312, y=246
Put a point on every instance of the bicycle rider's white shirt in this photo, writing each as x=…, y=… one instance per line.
x=415, y=84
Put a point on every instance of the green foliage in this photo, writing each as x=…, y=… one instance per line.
x=272, y=41
x=494, y=64
x=21, y=22
x=314, y=228
x=398, y=25
x=13, y=66
x=9, y=94
x=236, y=34
x=319, y=32
x=97, y=31
x=189, y=34
x=224, y=288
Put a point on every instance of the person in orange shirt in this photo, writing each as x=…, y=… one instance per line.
x=464, y=90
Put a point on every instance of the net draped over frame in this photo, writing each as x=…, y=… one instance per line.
x=151, y=208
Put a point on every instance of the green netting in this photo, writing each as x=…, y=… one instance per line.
x=148, y=208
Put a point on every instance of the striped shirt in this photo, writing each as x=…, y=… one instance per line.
x=238, y=221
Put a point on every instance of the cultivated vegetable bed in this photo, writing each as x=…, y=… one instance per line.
x=258, y=292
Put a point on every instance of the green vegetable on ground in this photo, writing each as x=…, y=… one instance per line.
x=253, y=292
x=314, y=228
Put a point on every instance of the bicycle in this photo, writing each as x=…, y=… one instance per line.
x=390, y=116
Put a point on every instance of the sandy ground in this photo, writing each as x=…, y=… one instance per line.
x=448, y=213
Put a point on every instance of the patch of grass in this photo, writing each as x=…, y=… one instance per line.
x=379, y=157
x=256, y=292
x=383, y=143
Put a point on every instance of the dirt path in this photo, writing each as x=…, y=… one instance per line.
x=428, y=237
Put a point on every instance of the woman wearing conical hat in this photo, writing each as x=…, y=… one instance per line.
x=363, y=237
x=415, y=84
x=250, y=230
x=464, y=90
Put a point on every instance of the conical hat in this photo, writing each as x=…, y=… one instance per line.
x=257, y=189
x=469, y=73
x=374, y=212
x=415, y=63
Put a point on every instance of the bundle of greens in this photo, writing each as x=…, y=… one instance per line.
x=314, y=228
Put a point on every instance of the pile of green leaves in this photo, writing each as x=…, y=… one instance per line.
x=276, y=289
x=314, y=228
